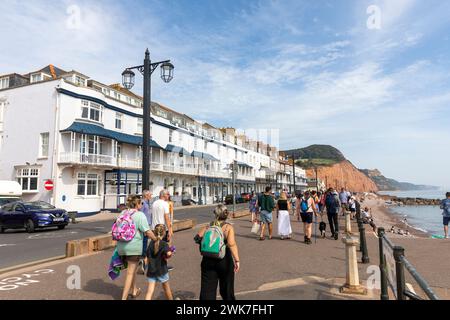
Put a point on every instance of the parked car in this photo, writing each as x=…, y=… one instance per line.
x=10, y=191
x=229, y=199
x=246, y=196
x=31, y=216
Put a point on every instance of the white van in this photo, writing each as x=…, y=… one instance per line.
x=10, y=191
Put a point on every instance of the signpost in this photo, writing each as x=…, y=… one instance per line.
x=48, y=185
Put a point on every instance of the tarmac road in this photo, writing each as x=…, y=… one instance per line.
x=18, y=246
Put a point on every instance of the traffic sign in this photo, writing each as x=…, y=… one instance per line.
x=48, y=185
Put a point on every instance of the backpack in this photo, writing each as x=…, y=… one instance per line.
x=124, y=229
x=213, y=242
x=304, y=206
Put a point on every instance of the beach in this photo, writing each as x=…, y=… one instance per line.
x=385, y=218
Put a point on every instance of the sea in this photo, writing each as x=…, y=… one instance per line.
x=424, y=218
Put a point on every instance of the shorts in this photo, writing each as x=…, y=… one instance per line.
x=131, y=258
x=307, y=217
x=446, y=221
x=161, y=279
x=352, y=210
x=344, y=206
x=266, y=217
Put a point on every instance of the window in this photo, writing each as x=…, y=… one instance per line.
x=28, y=178
x=119, y=117
x=117, y=95
x=170, y=135
x=161, y=113
x=140, y=125
x=106, y=91
x=92, y=144
x=44, y=139
x=4, y=83
x=91, y=110
x=128, y=100
x=35, y=77
x=87, y=184
x=80, y=81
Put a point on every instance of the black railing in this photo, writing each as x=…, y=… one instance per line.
x=396, y=280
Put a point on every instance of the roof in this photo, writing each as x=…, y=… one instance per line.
x=176, y=149
x=51, y=70
x=204, y=155
x=92, y=129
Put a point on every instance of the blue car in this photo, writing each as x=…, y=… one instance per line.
x=31, y=216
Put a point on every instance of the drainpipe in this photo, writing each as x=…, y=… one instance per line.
x=55, y=153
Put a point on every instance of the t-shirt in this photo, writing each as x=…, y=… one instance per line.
x=157, y=264
x=343, y=197
x=445, y=205
x=147, y=210
x=134, y=247
x=159, y=209
x=267, y=203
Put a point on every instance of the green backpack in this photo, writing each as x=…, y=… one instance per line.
x=213, y=242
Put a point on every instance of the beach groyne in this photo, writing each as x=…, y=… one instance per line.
x=394, y=200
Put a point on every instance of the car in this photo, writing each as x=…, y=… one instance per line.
x=10, y=191
x=246, y=196
x=32, y=216
x=229, y=199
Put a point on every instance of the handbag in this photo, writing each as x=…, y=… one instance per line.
x=255, y=228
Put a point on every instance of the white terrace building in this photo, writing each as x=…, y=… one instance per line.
x=86, y=137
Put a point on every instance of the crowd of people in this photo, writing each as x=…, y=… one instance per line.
x=309, y=207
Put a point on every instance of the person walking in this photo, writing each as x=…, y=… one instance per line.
x=157, y=254
x=215, y=271
x=343, y=198
x=307, y=210
x=352, y=207
x=266, y=205
x=333, y=205
x=284, y=221
x=131, y=251
x=445, y=205
x=147, y=210
x=171, y=205
x=253, y=207
x=161, y=215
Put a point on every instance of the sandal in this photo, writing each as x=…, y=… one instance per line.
x=262, y=238
x=134, y=296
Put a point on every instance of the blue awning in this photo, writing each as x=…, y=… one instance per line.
x=242, y=164
x=92, y=129
x=203, y=155
x=176, y=149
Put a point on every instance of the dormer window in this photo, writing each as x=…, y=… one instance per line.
x=4, y=83
x=106, y=91
x=80, y=81
x=36, y=77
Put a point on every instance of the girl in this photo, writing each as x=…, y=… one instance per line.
x=284, y=221
x=157, y=254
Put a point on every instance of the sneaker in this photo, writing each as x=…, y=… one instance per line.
x=170, y=268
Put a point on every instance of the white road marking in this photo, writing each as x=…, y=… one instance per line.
x=50, y=235
x=6, y=245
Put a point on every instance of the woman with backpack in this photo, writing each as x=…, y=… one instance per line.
x=220, y=257
x=307, y=210
x=129, y=231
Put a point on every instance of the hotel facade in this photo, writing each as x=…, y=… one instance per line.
x=86, y=138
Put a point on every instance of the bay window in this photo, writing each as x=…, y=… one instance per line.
x=91, y=111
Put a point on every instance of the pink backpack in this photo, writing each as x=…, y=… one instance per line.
x=124, y=228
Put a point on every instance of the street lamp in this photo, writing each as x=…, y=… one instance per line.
x=128, y=82
x=293, y=170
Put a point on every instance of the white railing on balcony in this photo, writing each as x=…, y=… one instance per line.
x=94, y=159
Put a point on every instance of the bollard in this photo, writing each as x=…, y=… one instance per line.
x=351, y=285
x=399, y=252
x=73, y=215
x=362, y=242
x=383, y=279
x=348, y=224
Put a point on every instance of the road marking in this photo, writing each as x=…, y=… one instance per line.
x=50, y=235
x=13, y=283
x=285, y=284
x=6, y=245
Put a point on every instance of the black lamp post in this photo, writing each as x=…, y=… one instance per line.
x=293, y=170
x=128, y=82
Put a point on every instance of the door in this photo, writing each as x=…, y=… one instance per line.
x=6, y=215
x=19, y=215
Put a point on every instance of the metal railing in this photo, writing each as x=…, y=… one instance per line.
x=392, y=270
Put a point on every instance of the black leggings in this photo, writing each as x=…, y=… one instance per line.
x=217, y=272
x=333, y=220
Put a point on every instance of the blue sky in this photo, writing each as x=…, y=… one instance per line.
x=311, y=69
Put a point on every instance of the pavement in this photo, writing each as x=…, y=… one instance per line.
x=49, y=243
x=271, y=269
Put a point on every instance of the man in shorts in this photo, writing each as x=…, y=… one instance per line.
x=266, y=205
x=445, y=205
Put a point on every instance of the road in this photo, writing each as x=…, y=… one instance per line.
x=18, y=246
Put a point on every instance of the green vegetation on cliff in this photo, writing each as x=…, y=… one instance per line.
x=316, y=155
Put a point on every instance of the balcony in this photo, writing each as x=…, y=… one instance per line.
x=91, y=159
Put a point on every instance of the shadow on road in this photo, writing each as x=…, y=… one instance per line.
x=99, y=286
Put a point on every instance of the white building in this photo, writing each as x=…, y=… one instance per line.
x=86, y=137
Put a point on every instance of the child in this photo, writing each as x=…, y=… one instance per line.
x=156, y=259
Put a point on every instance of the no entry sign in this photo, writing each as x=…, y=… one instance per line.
x=48, y=185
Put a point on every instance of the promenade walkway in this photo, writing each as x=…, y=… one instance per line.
x=272, y=269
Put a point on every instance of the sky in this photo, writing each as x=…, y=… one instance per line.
x=368, y=77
